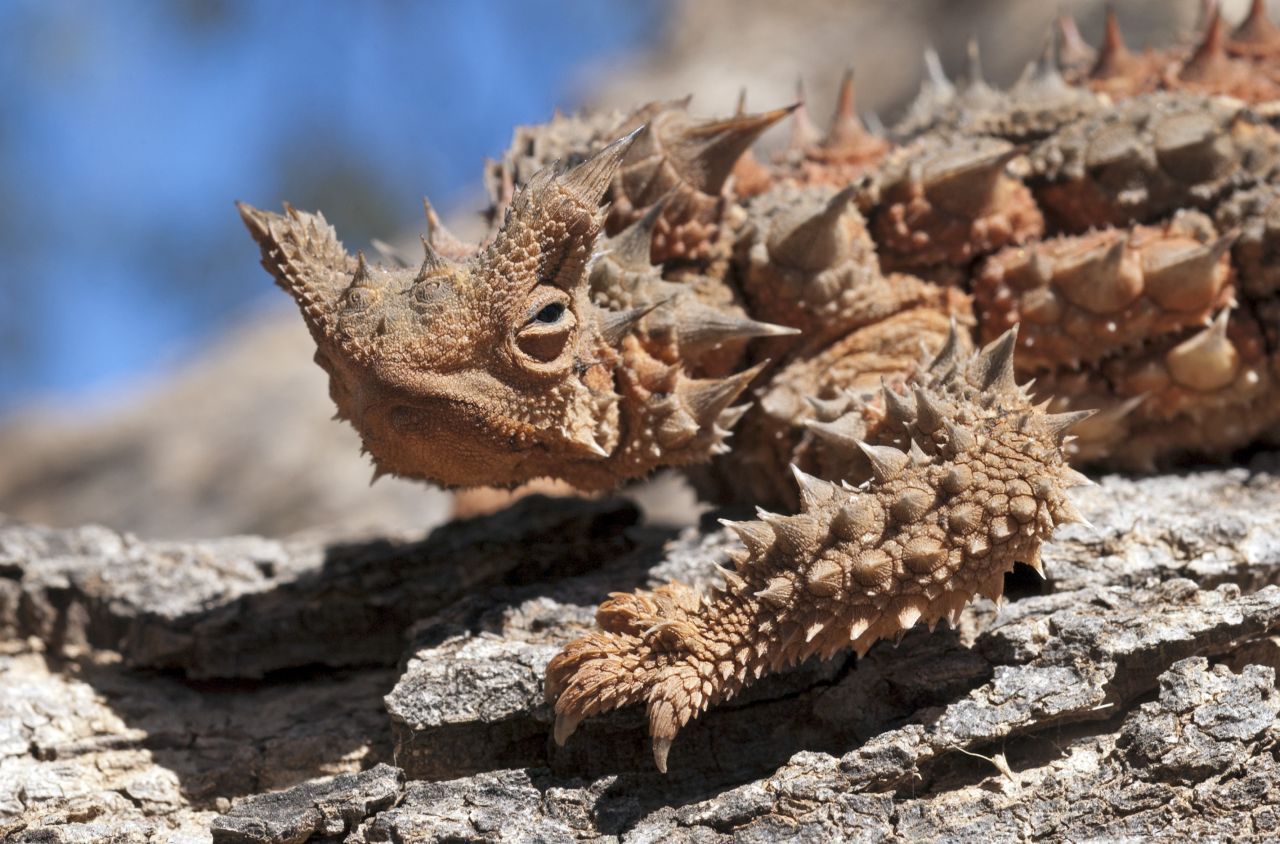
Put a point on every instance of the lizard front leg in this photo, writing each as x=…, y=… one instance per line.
x=979, y=484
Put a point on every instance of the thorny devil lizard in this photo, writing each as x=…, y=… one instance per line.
x=1109, y=226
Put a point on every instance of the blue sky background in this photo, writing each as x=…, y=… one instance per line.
x=128, y=128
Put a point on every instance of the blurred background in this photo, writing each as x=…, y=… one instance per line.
x=152, y=379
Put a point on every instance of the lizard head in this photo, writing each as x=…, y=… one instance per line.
x=489, y=369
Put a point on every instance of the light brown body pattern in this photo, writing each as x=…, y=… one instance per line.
x=800, y=333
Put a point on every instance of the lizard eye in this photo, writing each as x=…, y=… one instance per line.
x=544, y=339
x=550, y=314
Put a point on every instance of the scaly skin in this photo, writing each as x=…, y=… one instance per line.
x=1107, y=226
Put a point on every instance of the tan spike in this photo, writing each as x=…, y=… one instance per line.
x=778, y=593
x=1257, y=29
x=797, y=535
x=756, y=535
x=1114, y=59
x=846, y=129
x=813, y=491
x=961, y=438
x=1211, y=53
x=698, y=323
x=631, y=247
x=732, y=579
x=706, y=398
x=994, y=366
x=817, y=242
x=615, y=325
x=590, y=179
x=886, y=461
x=709, y=150
x=361, y=277
x=929, y=411
x=432, y=263
x=900, y=409
x=804, y=135
x=1058, y=424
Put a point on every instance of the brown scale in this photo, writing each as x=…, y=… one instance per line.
x=1149, y=157
x=946, y=201
x=1255, y=214
x=1081, y=299
x=1206, y=392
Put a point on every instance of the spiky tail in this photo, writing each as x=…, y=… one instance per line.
x=978, y=483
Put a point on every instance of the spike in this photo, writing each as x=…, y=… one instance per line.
x=1044, y=76
x=1072, y=478
x=432, y=263
x=361, y=277
x=961, y=438
x=631, y=247
x=741, y=108
x=1034, y=562
x=1186, y=278
x=1257, y=29
x=1208, y=361
x=389, y=252
x=818, y=241
x=825, y=578
x=615, y=325
x=828, y=409
x=778, y=593
x=886, y=461
x=732, y=579
x=908, y=616
x=706, y=398
x=1114, y=59
x=756, y=535
x=804, y=135
x=950, y=351
x=973, y=53
x=440, y=237
x=969, y=178
x=1074, y=51
x=730, y=416
x=1096, y=279
x=590, y=179
x=846, y=129
x=844, y=432
x=813, y=491
x=701, y=324
x=935, y=76
x=994, y=366
x=1057, y=424
x=917, y=455
x=708, y=151
x=798, y=535
x=930, y=413
x=900, y=409
x=1207, y=61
